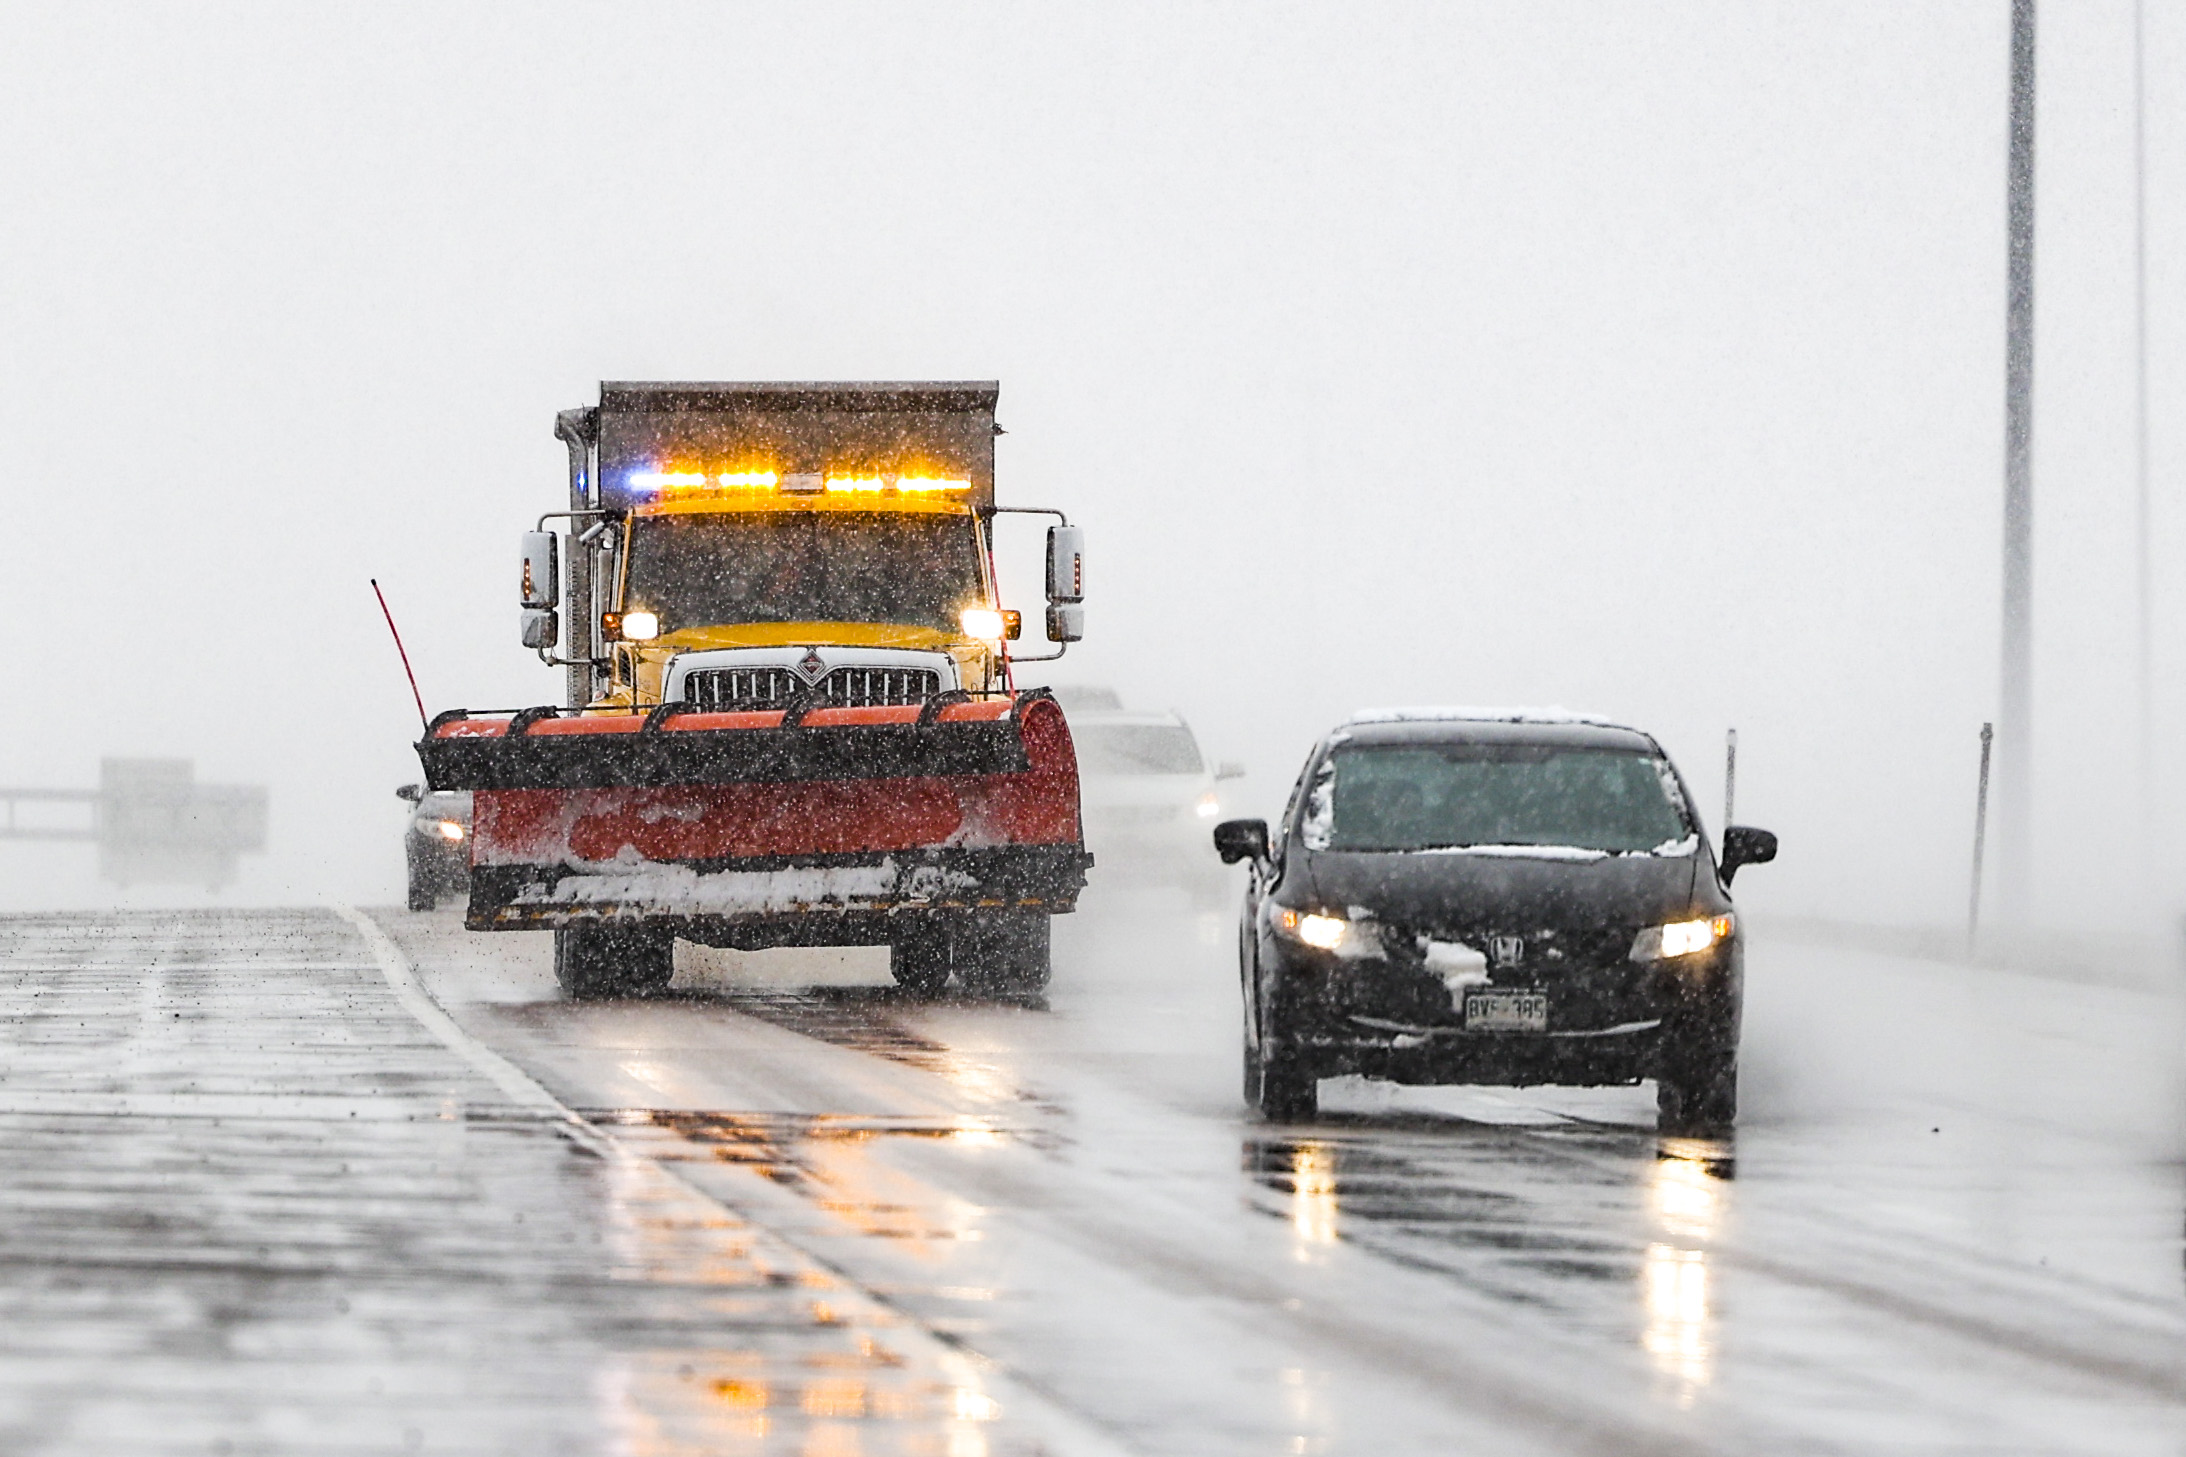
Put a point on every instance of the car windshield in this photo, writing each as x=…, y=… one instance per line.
x=720, y=568
x=1132, y=748
x=1448, y=796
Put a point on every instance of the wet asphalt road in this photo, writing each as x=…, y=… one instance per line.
x=260, y=1199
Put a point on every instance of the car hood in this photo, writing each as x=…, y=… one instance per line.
x=1101, y=791
x=1457, y=891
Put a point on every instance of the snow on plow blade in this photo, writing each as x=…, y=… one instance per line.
x=680, y=815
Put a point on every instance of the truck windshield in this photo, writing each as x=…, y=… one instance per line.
x=1450, y=796
x=717, y=569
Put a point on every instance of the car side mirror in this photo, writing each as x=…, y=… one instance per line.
x=1236, y=840
x=1745, y=845
x=411, y=792
x=1229, y=769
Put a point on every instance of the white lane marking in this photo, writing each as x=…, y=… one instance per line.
x=519, y=1085
x=1062, y=1432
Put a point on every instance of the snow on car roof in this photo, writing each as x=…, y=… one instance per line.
x=1482, y=715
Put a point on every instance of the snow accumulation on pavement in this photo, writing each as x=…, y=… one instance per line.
x=680, y=889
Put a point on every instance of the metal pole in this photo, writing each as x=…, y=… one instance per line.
x=2143, y=577
x=2015, y=775
x=1730, y=775
x=1980, y=841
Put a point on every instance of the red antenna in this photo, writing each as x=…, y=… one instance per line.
x=421, y=718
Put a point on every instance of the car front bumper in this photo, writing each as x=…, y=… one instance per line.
x=1607, y=1024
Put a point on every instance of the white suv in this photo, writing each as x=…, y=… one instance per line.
x=1150, y=798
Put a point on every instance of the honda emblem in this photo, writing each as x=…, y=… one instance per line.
x=1508, y=950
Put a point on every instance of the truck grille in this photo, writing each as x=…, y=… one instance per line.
x=742, y=690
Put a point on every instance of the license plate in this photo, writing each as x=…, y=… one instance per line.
x=1506, y=1011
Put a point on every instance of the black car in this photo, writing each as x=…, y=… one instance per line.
x=1504, y=899
x=437, y=845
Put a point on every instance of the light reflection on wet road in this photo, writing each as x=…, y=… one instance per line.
x=252, y=1203
x=1077, y=1195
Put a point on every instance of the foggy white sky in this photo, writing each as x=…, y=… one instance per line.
x=1644, y=359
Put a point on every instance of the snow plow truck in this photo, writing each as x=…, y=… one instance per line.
x=789, y=716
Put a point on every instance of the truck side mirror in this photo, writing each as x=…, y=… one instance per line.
x=540, y=629
x=1236, y=840
x=411, y=792
x=1745, y=845
x=1065, y=567
x=1065, y=621
x=542, y=584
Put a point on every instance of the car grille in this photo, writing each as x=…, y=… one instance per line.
x=739, y=690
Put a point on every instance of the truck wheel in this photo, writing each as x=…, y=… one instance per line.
x=1007, y=956
x=918, y=958
x=1696, y=1092
x=613, y=961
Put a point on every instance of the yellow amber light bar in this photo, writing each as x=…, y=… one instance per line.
x=690, y=480
x=903, y=485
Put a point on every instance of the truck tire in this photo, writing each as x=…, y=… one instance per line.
x=1006, y=956
x=613, y=961
x=1281, y=1088
x=918, y=958
x=1696, y=1091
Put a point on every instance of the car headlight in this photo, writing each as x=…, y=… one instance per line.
x=1209, y=806
x=451, y=830
x=1682, y=938
x=1323, y=933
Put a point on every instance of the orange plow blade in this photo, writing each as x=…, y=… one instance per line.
x=685, y=816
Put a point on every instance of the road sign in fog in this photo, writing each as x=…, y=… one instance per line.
x=153, y=824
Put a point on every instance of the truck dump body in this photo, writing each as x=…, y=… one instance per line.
x=751, y=815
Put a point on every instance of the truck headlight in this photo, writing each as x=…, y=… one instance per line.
x=983, y=623
x=640, y=626
x=1682, y=938
x=1323, y=933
